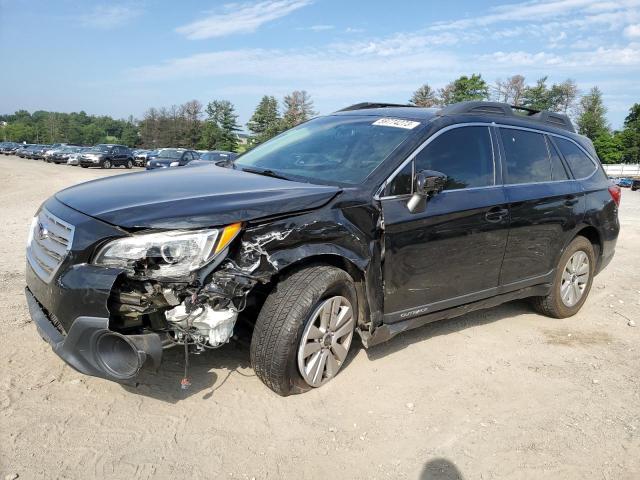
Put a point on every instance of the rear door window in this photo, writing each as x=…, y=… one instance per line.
x=527, y=158
x=579, y=163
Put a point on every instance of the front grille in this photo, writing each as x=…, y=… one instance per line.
x=50, y=240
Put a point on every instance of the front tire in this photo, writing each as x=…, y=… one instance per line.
x=129, y=164
x=572, y=281
x=107, y=164
x=305, y=329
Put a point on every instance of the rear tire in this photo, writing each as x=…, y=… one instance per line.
x=129, y=164
x=283, y=326
x=570, y=287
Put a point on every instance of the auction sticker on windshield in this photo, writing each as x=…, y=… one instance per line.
x=396, y=122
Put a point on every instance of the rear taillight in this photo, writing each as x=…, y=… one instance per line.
x=616, y=193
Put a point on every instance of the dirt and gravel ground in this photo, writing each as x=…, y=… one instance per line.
x=502, y=393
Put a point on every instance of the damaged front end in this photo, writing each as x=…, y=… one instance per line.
x=113, y=306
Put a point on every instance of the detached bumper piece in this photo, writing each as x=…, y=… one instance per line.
x=91, y=348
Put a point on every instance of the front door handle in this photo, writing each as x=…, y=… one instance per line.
x=496, y=214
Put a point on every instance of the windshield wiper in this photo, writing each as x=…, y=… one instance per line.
x=266, y=173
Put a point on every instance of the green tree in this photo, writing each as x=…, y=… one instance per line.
x=221, y=126
x=129, y=135
x=559, y=97
x=591, y=119
x=265, y=121
x=609, y=146
x=630, y=136
x=465, y=88
x=537, y=97
x=425, y=96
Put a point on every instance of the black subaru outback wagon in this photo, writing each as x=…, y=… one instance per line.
x=373, y=220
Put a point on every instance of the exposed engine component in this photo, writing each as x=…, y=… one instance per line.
x=204, y=325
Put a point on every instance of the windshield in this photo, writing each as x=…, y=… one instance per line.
x=335, y=149
x=170, y=153
x=100, y=149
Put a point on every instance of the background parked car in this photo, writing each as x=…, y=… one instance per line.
x=106, y=156
x=38, y=153
x=31, y=152
x=172, y=157
x=624, y=182
x=22, y=150
x=61, y=155
x=141, y=156
x=8, y=148
x=74, y=158
x=56, y=147
x=635, y=185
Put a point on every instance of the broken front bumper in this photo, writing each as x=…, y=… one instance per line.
x=70, y=309
x=89, y=346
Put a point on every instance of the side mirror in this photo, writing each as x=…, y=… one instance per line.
x=426, y=184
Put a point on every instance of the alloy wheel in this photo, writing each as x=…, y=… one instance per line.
x=575, y=278
x=325, y=341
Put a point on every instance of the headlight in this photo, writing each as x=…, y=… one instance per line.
x=168, y=254
x=174, y=164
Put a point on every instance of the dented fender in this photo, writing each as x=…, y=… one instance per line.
x=264, y=250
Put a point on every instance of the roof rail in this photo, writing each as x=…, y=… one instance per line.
x=366, y=105
x=478, y=107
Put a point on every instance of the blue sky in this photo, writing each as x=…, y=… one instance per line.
x=122, y=57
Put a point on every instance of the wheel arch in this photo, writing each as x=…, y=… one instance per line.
x=355, y=269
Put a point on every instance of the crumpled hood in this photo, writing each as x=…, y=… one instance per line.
x=195, y=197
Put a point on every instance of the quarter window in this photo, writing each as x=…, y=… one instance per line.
x=558, y=172
x=527, y=158
x=579, y=163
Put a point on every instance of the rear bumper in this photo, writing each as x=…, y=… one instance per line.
x=79, y=347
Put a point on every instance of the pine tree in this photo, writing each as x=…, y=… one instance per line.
x=265, y=121
x=591, y=117
x=425, y=96
x=465, y=88
x=298, y=108
x=221, y=126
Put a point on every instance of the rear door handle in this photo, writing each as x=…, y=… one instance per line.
x=496, y=214
x=570, y=200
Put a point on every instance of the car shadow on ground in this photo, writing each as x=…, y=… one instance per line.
x=164, y=384
x=440, y=469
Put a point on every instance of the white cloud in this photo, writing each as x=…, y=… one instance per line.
x=632, y=31
x=541, y=10
x=321, y=28
x=326, y=65
x=108, y=17
x=240, y=18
